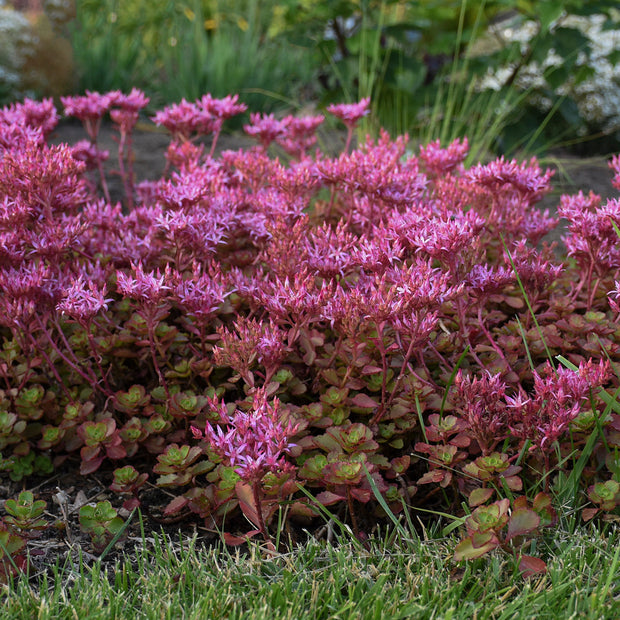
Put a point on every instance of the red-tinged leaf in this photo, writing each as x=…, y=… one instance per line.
x=479, y=496
x=435, y=475
x=235, y=541
x=531, y=566
x=589, y=513
x=447, y=479
x=309, y=357
x=88, y=453
x=541, y=501
x=361, y=495
x=364, y=401
x=176, y=505
x=483, y=539
x=327, y=498
x=520, y=502
x=522, y=521
x=130, y=504
x=514, y=302
x=422, y=447
x=371, y=370
x=513, y=470
x=301, y=509
x=306, y=344
x=88, y=467
x=116, y=452
x=354, y=384
x=271, y=388
x=462, y=440
x=614, y=422
x=466, y=550
x=245, y=495
x=514, y=483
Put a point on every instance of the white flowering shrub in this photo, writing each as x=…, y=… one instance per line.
x=573, y=70
x=18, y=45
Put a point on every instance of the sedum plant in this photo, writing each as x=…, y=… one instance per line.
x=101, y=522
x=375, y=321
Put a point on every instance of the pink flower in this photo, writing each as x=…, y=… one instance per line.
x=12, y=247
x=526, y=178
x=90, y=109
x=378, y=250
x=14, y=212
x=145, y=287
x=30, y=281
x=89, y=153
x=446, y=238
x=484, y=280
x=265, y=128
x=83, y=301
x=544, y=416
x=329, y=251
x=254, y=442
x=299, y=180
x=46, y=177
x=440, y=161
x=535, y=268
x=295, y=301
x=200, y=295
x=91, y=106
x=592, y=240
x=53, y=240
x=125, y=119
x=184, y=119
x=350, y=113
x=135, y=101
x=250, y=342
x=376, y=172
x=481, y=403
x=299, y=134
x=224, y=108
x=15, y=137
x=615, y=293
x=34, y=115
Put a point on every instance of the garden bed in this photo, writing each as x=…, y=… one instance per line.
x=350, y=334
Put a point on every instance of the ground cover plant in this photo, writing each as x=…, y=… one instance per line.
x=276, y=334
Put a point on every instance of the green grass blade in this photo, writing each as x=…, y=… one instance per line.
x=117, y=535
x=379, y=497
x=527, y=301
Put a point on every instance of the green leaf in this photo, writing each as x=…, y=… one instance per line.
x=466, y=550
x=548, y=12
x=568, y=41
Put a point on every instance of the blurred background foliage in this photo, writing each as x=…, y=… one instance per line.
x=511, y=74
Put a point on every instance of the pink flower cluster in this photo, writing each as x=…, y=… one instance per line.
x=205, y=116
x=253, y=442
